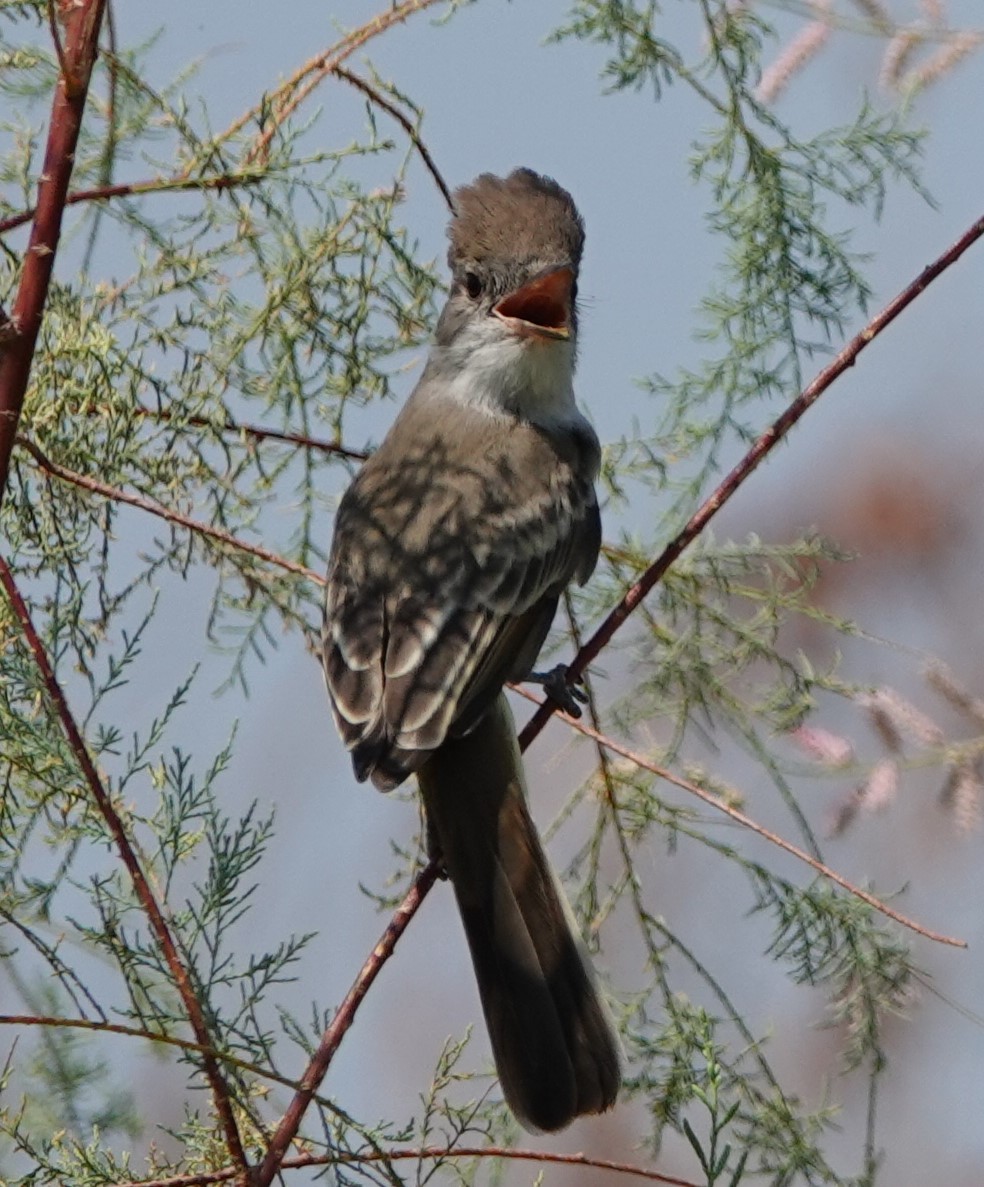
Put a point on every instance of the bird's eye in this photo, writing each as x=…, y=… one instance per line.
x=473, y=285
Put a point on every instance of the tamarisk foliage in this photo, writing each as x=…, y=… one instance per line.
x=223, y=307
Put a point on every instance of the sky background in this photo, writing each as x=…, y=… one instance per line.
x=889, y=463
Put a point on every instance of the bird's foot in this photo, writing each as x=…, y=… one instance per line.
x=432, y=845
x=556, y=684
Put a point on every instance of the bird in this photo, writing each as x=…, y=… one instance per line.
x=450, y=552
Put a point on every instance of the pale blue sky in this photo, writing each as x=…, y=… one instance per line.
x=496, y=97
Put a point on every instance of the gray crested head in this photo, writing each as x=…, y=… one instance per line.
x=506, y=233
x=519, y=224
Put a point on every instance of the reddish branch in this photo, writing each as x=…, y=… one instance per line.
x=721, y=805
x=155, y=916
x=126, y=189
x=279, y=104
x=391, y=109
x=426, y=1153
x=227, y=1058
x=257, y=433
x=80, y=20
x=752, y=459
x=315, y=1071
x=118, y=495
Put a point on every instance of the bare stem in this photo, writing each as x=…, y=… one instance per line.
x=428, y=1153
x=747, y=822
x=315, y=1071
x=128, y=189
x=281, y=102
x=81, y=20
x=101, y=1026
x=118, y=495
x=372, y=93
x=257, y=433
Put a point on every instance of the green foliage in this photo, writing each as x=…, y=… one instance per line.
x=207, y=351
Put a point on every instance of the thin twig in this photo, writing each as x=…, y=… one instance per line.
x=70, y=981
x=344, y=1016
x=747, y=822
x=605, y=769
x=283, y=100
x=63, y=68
x=752, y=459
x=155, y=916
x=82, y=20
x=426, y=1153
x=391, y=109
x=256, y=432
x=126, y=189
x=259, y=152
x=118, y=495
x=166, y=1040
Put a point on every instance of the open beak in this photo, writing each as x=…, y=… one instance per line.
x=541, y=308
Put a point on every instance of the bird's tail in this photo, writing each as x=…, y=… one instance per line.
x=554, y=1042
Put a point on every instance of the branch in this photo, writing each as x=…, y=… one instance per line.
x=278, y=105
x=155, y=916
x=7, y=330
x=81, y=20
x=747, y=822
x=317, y=1066
x=442, y=1153
x=375, y=97
x=256, y=432
x=64, y=67
x=126, y=189
x=118, y=495
x=752, y=459
x=101, y=1026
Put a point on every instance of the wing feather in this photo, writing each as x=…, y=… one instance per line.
x=444, y=578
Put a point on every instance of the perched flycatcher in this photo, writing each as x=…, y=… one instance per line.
x=451, y=550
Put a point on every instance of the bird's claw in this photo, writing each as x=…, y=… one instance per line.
x=556, y=684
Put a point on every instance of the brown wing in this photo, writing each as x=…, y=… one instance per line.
x=446, y=566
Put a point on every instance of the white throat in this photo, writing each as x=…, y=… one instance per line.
x=493, y=368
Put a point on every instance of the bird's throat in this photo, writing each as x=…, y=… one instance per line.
x=507, y=374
